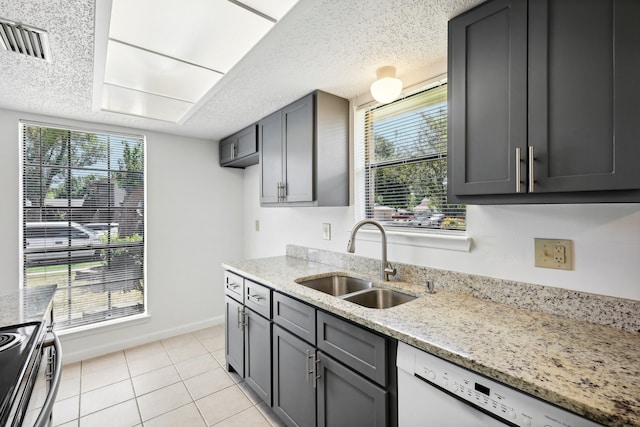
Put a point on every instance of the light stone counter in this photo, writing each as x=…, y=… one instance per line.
x=587, y=368
x=25, y=305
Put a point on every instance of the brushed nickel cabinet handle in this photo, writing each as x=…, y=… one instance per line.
x=518, y=170
x=241, y=318
x=306, y=366
x=531, y=174
x=316, y=376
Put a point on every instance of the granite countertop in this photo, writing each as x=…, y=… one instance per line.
x=25, y=305
x=592, y=370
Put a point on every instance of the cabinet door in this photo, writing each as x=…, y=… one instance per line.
x=346, y=399
x=584, y=94
x=487, y=98
x=247, y=142
x=234, y=336
x=294, y=398
x=271, y=165
x=299, y=150
x=227, y=150
x=258, y=354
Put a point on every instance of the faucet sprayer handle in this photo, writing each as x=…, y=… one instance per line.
x=351, y=246
x=389, y=269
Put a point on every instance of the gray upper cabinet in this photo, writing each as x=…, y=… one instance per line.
x=542, y=96
x=487, y=97
x=304, y=153
x=270, y=137
x=240, y=149
x=584, y=94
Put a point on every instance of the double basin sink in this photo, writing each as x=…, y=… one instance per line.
x=356, y=290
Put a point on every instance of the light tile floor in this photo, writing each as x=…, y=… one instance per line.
x=179, y=381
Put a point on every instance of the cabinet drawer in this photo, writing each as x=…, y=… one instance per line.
x=234, y=286
x=361, y=350
x=295, y=316
x=258, y=298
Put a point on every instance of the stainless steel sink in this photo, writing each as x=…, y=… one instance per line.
x=337, y=284
x=379, y=298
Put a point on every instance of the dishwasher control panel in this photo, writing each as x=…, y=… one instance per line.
x=509, y=405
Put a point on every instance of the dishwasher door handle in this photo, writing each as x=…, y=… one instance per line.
x=45, y=413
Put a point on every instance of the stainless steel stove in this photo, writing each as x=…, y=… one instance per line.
x=27, y=340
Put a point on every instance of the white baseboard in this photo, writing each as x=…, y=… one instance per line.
x=82, y=345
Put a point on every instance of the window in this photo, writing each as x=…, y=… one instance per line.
x=401, y=164
x=83, y=221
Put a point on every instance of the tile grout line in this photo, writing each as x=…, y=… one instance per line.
x=128, y=361
x=135, y=397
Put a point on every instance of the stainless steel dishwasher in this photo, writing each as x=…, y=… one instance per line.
x=434, y=392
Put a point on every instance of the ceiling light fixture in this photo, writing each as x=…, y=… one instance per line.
x=387, y=87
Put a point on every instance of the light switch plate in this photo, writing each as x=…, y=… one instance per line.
x=326, y=231
x=554, y=253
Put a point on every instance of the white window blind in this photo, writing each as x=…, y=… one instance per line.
x=401, y=163
x=83, y=221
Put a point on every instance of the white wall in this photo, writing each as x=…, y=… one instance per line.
x=191, y=208
x=606, y=236
x=606, y=241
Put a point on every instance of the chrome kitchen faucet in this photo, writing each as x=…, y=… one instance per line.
x=386, y=269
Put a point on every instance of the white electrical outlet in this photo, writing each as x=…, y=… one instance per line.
x=326, y=231
x=257, y=225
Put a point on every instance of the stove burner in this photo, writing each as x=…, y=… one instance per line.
x=9, y=340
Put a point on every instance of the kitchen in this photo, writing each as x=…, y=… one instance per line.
x=349, y=49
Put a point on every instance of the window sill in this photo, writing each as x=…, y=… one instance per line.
x=453, y=241
x=86, y=330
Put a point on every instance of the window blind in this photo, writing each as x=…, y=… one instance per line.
x=401, y=170
x=83, y=221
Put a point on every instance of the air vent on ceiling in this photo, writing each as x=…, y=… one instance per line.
x=24, y=39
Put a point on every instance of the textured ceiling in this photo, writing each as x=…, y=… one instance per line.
x=333, y=45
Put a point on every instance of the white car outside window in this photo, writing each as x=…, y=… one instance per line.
x=47, y=241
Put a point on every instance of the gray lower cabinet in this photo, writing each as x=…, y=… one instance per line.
x=234, y=335
x=345, y=399
x=294, y=397
x=542, y=102
x=258, y=354
x=248, y=333
x=341, y=381
x=306, y=381
x=295, y=316
x=360, y=349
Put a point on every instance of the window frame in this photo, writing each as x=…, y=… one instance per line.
x=457, y=240
x=136, y=317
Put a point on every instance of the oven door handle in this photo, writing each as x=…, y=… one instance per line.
x=47, y=407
